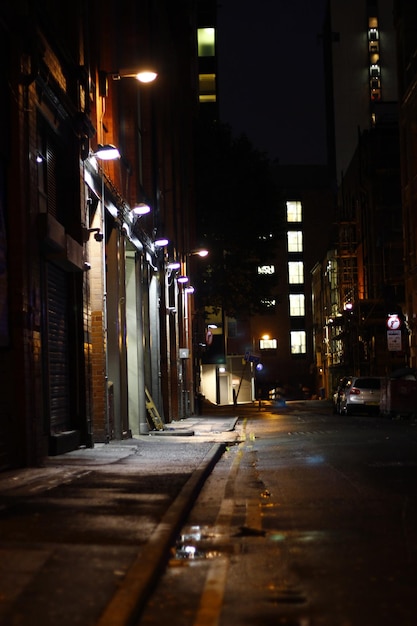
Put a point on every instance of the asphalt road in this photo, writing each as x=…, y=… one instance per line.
x=311, y=521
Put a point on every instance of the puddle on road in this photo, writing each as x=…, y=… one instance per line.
x=196, y=543
x=201, y=543
x=307, y=536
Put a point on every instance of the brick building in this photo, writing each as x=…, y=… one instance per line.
x=87, y=338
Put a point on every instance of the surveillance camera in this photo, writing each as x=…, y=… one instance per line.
x=87, y=267
x=98, y=236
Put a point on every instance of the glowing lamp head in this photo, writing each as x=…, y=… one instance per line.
x=146, y=76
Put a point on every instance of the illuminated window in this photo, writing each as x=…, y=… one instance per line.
x=266, y=269
x=375, y=94
x=295, y=272
x=268, y=344
x=207, y=86
x=298, y=341
x=269, y=304
x=294, y=211
x=375, y=70
x=297, y=305
x=295, y=241
x=206, y=38
x=374, y=66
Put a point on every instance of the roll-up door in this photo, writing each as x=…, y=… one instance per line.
x=57, y=350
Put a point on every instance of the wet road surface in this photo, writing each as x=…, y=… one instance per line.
x=310, y=521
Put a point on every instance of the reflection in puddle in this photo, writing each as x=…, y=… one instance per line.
x=298, y=537
x=315, y=460
x=278, y=537
x=195, y=544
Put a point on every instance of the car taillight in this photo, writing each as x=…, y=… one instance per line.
x=354, y=391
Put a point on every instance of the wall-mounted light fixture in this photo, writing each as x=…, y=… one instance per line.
x=182, y=279
x=173, y=265
x=141, y=208
x=161, y=242
x=190, y=290
x=98, y=235
x=106, y=152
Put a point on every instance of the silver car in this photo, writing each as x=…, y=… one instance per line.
x=361, y=395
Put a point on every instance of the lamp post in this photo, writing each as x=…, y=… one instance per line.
x=184, y=349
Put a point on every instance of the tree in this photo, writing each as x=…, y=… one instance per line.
x=240, y=218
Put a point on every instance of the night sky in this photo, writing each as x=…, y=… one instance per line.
x=271, y=84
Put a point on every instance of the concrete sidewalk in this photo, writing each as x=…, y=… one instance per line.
x=84, y=538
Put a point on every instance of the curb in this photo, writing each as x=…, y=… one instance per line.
x=173, y=432
x=130, y=599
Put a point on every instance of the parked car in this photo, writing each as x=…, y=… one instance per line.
x=337, y=393
x=362, y=394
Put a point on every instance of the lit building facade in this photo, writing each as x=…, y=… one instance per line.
x=361, y=280
x=285, y=337
x=361, y=74
x=406, y=25
x=207, y=59
x=94, y=320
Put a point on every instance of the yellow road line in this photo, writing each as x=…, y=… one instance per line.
x=211, y=601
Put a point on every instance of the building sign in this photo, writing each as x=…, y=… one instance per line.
x=394, y=340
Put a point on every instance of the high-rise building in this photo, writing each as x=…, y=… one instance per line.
x=207, y=59
x=363, y=148
x=284, y=338
x=361, y=74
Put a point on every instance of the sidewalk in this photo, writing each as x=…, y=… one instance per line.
x=83, y=538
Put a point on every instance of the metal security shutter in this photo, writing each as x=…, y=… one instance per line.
x=57, y=340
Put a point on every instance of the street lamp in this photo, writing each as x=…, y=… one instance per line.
x=145, y=75
x=200, y=252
